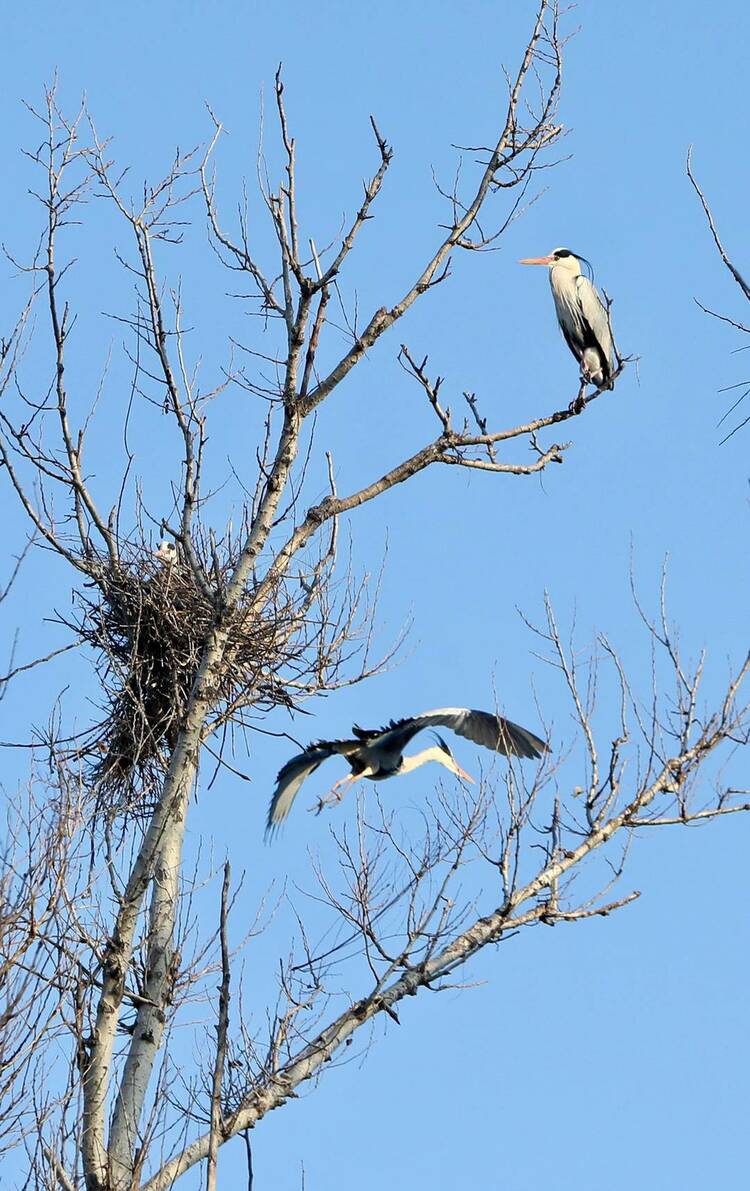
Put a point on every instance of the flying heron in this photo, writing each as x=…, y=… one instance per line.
x=378, y=754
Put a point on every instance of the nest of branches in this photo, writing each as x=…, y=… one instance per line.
x=148, y=626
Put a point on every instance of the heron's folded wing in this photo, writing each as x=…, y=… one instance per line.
x=595, y=314
x=482, y=727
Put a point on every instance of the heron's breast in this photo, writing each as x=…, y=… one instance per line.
x=566, y=301
x=385, y=767
x=359, y=762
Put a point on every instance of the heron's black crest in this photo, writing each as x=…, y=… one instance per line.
x=589, y=267
x=561, y=253
x=443, y=743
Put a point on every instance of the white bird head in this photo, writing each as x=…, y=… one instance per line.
x=446, y=758
x=559, y=258
x=166, y=552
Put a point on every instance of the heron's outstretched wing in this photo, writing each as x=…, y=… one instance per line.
x=291, y=776
x=597, y=319
x=482, y=727
x=485, y=728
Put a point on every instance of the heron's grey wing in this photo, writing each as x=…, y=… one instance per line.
x=482, y=727
x=569, y=314
x=595, y=314
x=291, y=776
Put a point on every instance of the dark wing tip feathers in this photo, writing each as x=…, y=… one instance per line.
x=297, y=767
x=519, y=741
x=443, y=743
x=524, y=743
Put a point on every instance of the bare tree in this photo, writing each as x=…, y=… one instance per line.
x=194, y=646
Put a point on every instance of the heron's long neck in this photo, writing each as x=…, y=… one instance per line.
x=563, y=282
x=431, y=754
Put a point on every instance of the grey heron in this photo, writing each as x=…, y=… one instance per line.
x=378, y=754
x=581, y=314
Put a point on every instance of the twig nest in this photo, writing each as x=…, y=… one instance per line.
x=148, y=624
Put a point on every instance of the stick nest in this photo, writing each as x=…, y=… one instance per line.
x=149, y=625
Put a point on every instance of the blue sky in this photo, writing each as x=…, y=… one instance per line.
x=600, y=1055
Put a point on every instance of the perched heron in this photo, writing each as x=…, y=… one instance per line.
x=581, y=314
x=378, y=754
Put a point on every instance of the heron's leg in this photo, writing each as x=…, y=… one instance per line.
x=336, y=792
x=579, y=403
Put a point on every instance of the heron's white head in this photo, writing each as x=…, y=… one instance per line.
x=166, y=552
x=437, y=752
x=451, y=763
x=560, y=258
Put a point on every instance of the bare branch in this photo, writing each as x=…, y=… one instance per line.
x=710, y=220
x=217, y=1123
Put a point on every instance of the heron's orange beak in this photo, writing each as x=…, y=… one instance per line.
x=466, y=776
x=536, y=260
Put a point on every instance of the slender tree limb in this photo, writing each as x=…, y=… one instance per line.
x=712, y=226
x=217, y=1120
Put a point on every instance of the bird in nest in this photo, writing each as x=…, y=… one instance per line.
x=166, y=552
